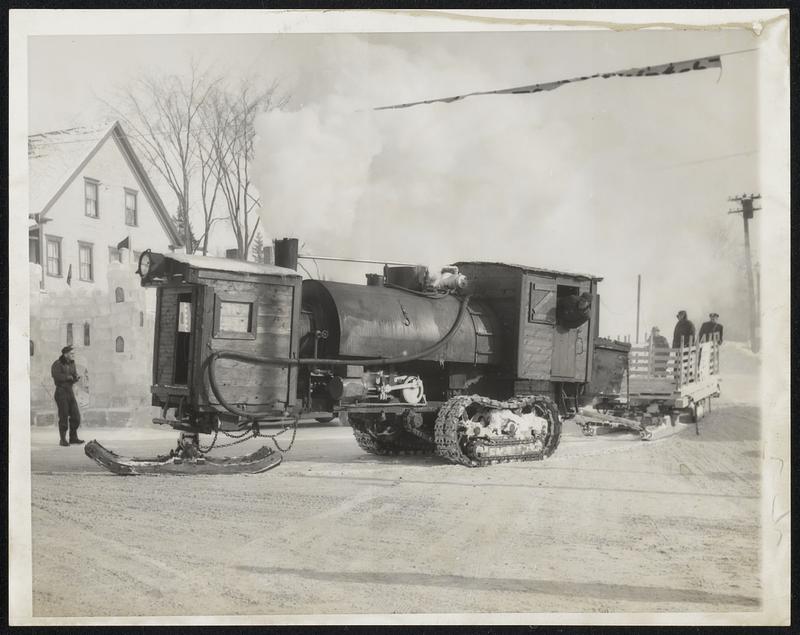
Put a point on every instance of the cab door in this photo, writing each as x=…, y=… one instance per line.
x=174, y=355
x=571, y=345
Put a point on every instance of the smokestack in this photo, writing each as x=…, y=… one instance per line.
x=286, y=253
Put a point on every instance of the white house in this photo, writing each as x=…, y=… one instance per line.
x=92, y=211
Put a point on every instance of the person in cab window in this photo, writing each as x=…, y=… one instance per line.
x=573, y=310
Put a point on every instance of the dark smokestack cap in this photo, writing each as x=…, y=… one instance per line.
x=286, y=253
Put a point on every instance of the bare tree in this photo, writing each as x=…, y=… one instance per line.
x=162, y=115
x=209, y=185
x=230, y=121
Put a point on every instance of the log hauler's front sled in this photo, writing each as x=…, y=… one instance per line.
x=477, y=364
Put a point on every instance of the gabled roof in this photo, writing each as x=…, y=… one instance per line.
x=534, y=270
x=232, y=264
x=56, y=158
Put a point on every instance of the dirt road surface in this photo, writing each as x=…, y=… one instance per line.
x=607, y=524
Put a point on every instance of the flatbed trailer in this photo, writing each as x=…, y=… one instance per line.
x=660, y=386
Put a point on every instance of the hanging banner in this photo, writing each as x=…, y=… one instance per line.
x=671, y=68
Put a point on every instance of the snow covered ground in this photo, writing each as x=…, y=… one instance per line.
x=740, y=370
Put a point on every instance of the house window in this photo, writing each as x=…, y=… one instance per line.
x=120, y=294
x=53, y=256
x=34, y=253
x=120, y=345
x=91, y=190
x=131, y=217
x=86, y=334
x=69, y=333
x=85, y=262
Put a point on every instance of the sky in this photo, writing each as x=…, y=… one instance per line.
x=615, y=177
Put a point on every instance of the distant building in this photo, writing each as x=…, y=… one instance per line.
x=92, y=211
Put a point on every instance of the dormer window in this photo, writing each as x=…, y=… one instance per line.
x=91, y=196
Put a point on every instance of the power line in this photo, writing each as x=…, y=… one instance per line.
x=709, y=159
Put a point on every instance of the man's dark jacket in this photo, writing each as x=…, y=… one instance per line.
x=683, y=329
x=659, y=341
x=64, y=373
x=707, y=330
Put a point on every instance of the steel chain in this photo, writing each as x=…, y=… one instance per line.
x=250, y=435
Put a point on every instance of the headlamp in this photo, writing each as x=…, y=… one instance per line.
x=153, y=268
x=144, y=264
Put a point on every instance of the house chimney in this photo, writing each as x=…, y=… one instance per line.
x=233, y=254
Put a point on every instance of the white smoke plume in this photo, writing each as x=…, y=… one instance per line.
x=587, y=178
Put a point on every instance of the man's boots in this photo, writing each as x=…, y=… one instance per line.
x=63, y=441
x=73, y=438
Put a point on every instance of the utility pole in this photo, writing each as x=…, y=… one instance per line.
x=757, y=272
x=638, y=298
x=747, y=209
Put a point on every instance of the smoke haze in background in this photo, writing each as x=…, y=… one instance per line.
x=608, y=176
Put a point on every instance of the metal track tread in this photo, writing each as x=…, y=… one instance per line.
x=450, y=442
x=404, y=443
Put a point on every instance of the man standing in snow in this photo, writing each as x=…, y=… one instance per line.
x=64, y=376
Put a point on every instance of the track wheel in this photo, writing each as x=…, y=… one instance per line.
x=549, y=411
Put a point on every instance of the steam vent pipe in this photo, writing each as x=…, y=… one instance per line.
x=286, y=253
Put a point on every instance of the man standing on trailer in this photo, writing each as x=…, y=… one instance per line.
x=659, y=341
x=659, y=347
x=684, y=331
x=64, y=376
x=710, y=329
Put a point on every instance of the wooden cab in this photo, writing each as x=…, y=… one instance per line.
x=213, y=304
x=539, y=350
